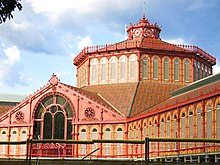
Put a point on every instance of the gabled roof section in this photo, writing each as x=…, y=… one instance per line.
x=96, y=97
x=150, y=94
x=119, y=95
x=133, y=98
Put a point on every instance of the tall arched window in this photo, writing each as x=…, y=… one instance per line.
x=209, y=122
x=94, y=137
x=195, y=71
x=150, y=134
x=183, y=128
x=218, y=120
x=93, y=71
x=145, y=68
x=103, y=70
x=191, y=126
x=3, y=147
x=198, y=70
x=176, y=70
x=132, y=67
x=155, y=68
x=203, y=72
x=55, y=113
x=206, y=71
x=134, y=137
x=162, y=134
x=82, y=135
x=199, y=125
x=119, y=136
x=175, y=129
x=139, y=138
x=166, y=69
x=168, y=131
x=186, y=71
x=155, y=135
x=122, y=68
x=13, y=148
x=113, y=69
x=23, y=147
x=107, y=136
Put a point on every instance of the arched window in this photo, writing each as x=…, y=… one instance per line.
x=155, y=68
x=166, y=69
x=168, y=131
x=203, y=73
x=123, y=68
x=155, y=134
x=13, y=148
x=119, y=136
x=150, y=134
x=176, y=70
x=186, y=71
x=107, y=136
x=162, y=134
x=209, y=122
x=93, y=70
x=206, y=71
x=209, y=71
x=103, y=70
x=145, y=68
x=3, y=147
x=175, y=128
x=113, y=69
x=82, y=136
x=55, y=114
x=195, y=71
x=199, y=124
x=191, y=126
x=183, y=128
x=139, y=138
x=134, y=137
x=132, y=68
x=198, y=70
x=94, y=137
x=23, y=147
x=218, y=120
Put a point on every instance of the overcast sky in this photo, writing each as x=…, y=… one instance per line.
x=46, y=35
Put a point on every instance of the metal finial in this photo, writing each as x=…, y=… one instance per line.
x=144, y=10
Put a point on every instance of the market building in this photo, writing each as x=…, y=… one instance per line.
x=140, y=87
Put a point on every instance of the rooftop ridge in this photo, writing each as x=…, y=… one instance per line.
x=137, y=43
x=197, y=84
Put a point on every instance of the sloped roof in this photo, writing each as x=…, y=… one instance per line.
x=197, y=90
x=4, y=109
x=150, y=94
x=132, y=98
x=119, y=95
x=93, y=96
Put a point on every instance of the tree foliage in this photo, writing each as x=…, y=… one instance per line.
x=7, y=7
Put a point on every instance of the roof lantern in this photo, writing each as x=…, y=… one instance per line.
x=143, y=29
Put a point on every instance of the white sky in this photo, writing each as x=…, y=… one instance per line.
x=45, y=36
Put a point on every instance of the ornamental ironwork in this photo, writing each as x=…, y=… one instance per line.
x=89, y=113
x=19, y=116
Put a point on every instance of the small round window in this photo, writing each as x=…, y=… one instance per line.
x=89, y=113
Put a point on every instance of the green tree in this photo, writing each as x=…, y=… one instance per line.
x=7, y=7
